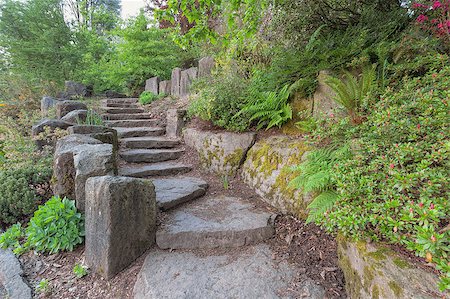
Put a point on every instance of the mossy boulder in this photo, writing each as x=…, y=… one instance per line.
x=267, y=170
x=222, y=153
x=376, y=271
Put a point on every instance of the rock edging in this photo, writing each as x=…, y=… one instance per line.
x=11, y=276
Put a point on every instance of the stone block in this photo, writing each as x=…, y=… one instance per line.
x=175, y=82
x=187, y=77
x=64, y=107
x=176, y=121
x=165, y=87
x=102, y=133
x=120, y=222
x=47, y=103
x=12, y=279
x=205, y=66
x=75, y=116
x=152, y=85
x=75, y=89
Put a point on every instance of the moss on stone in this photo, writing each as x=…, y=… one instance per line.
x=353, y=284
x=367, y=278
x=375, y=292
x=396, y=289
x=380, y=254
x=402, y=264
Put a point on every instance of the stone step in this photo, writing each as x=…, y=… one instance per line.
x=119, y=105
x=120, y=101
x=154, y=169
x=173, y=192
x=150, y=155
x=122, y=110
x=149, y=142
x=131, y=123
x=215, y=222
x=126, y=116
x=123, y=132
x=251, y=272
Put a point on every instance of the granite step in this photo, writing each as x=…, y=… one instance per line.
x=154, y=169
x=173, y=192
x=126, y=116
x=127, y=110
x=132, y=123
x=149, y=142
x=119, y=105
x=150, y=155
x=120, y=101
x=215, y=222
x=123, y=132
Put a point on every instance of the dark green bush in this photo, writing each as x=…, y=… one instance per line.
x=18, y=199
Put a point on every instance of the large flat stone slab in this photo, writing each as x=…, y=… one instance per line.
x=173, y=192
x=246, y=274
x=215, y=222
x=126, y=116
x=149, y=142
x=131, y=123
x=154, y=169
x=124, y=110
x=120, y=101
x=151, y=155
x=12, y=283
x=123, y=132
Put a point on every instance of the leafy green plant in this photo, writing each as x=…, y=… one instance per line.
x=55, y=226
x=269, y=109
x=43, y=286
x=80, y=271
x=225, y=182
x=11, y=237
x=92, y=119
x=350, y=91
x=147, y=97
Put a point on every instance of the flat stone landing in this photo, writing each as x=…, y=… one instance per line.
x=215, y=222
x=249, y=272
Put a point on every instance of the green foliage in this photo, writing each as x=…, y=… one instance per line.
x=147, y=97
x=316, y=177
x=11, y=237
x=268, y=108
x=43, y=286
x=55, y=226
x=18, y=191
x=80, y=271
x=92, y=119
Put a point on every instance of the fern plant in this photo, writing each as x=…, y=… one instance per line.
x=350, y=91
x=269, y=109
x=316, y=176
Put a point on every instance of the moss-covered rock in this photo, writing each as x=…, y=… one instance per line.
x=376, y=271
x=222, y=153
x=267, y=170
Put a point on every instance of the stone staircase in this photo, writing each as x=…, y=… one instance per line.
x=227, y=233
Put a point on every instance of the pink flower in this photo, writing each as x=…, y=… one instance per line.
x=418, y=5
x=431, y=206
x=421, y=204
x=418, y=126
x=421, y=18
x=434, y=21
x=392, y=166
x=433, y=239
x=436, y=4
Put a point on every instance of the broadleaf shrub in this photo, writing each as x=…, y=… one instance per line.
x=147, y=97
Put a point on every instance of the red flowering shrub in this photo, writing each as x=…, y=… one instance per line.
x=434, y=17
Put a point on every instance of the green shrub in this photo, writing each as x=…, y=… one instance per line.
x=18, y=198
x=11, y=238
x=92, y=119
x=80, y=271
x=55, y=226
x=147, y=97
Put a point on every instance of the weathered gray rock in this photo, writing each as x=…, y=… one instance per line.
x=149, y=142
x=152, y=85
x=249, y=273
x=173, y=192
x=176, y=121
x=114, y=94
x=90, y=161
x=64, y=107
x=324, y=105
x=63, y=181
x=215, y=222
x=187, y=77
x=11, y=277
x=75, y=89
x=205, y=66
x=75, y=116
x=138, y=132
x=133, y=123
x=120, y=222
x=165, y=87
x=151, y=155
x=46, y=104
x=222, y=153
x=175, y=82
x=40, y=127
x=125, y=116
x=267, y=170
x=376, y=271
x=123, y=110
x=154, y=169
x=102, y=133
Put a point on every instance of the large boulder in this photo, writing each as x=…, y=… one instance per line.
x=164, y=87
x=47, y=103
x=376, y=271
x=176, y=120
x=12, y=278
x=64, y=107
x=47, y=124
x=267, y=171
x=63, y=181
x=75, y=89
x=175, y=82
x=120, y=222
x=75, y=116
x=89, y=161
x=222, y=153
x=152, y=85
x=187, y=77
x=102, y=133
x=205, y=66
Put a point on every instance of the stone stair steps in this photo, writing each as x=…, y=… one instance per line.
x=119, y=105
x=133, y=123
x=120, y=101
x=215, y=222
x=173, y=192
x=125, y=110
x=154, y=169
x=150, y=155
x=126, y=116
x=149, y=142
x=124, y=132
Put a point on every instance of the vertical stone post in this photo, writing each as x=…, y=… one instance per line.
x=164, y=87
x=176, y=78
x=120, y=222
x=187, y=76
x=152, y=85
x=205, y=66
x=175, y=122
